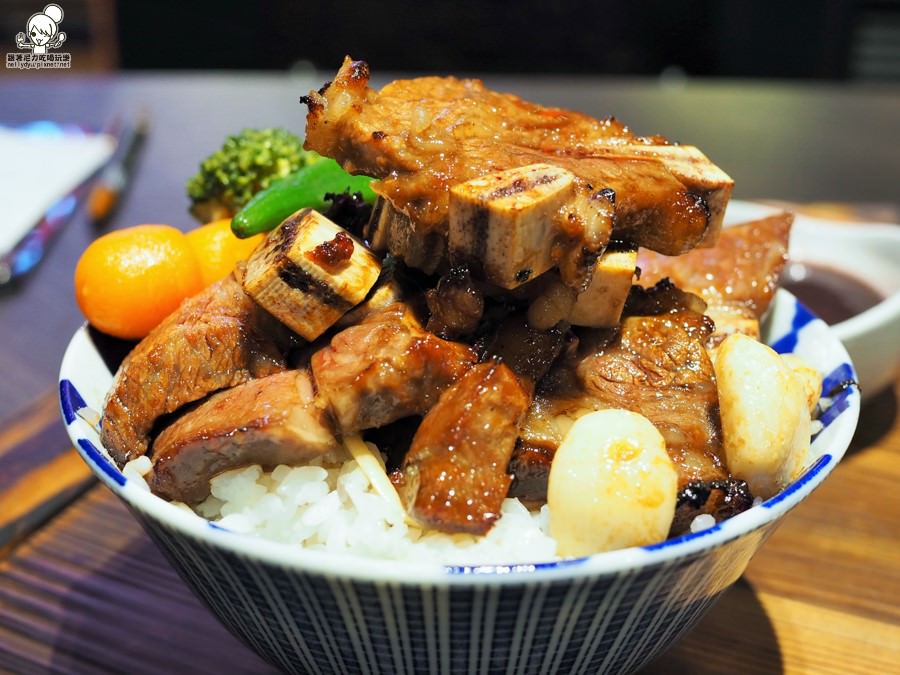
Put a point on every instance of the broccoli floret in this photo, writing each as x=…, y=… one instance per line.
x=247, y=163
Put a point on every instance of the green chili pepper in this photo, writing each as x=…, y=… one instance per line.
x=305, y=188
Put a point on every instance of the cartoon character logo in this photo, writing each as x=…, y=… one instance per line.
x=43, y=31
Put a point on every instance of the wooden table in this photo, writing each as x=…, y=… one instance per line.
x=822, y=596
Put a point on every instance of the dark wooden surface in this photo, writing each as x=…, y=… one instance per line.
x=92, y=594
x=823, y=594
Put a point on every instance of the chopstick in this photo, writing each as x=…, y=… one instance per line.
x=40, y=472
x=113, y=181
x=109, y=184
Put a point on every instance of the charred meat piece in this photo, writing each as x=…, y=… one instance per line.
x=721, y=499
x=654, y=365
x=270, y=421
x=217, y=339
x=390, y=230
x=379, y=371
x=662, y=298
x=530, y=469
x=424, y=136
x=454, y=477
x=529, y=352
x=737, y=278
x=456, y=305
x=386, y=368
x=511, y=226
x=659, y=368
x=743, y=267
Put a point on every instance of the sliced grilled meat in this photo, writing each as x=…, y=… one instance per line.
x=659, y=367
x=454, y=477
x=270, y=421
x=386, y=368
x=656, y=366
x=456, y=305
x=214, y=340
x=742, y=268
x=423, y=136
x=737, y=278
x=529, y=352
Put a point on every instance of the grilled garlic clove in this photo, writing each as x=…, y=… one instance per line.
x=612, y=484
x=809, y=378
x=309, y=272
x=765, y=414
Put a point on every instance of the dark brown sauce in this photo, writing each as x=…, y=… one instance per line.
x=831, y=295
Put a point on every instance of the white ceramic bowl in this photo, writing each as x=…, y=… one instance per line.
x=315, y=612
x=869, y=253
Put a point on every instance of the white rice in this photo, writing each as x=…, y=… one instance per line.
x=136, y=469
x=702, y=522
x=334, y=508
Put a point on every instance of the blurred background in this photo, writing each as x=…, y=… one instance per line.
x=809, y=39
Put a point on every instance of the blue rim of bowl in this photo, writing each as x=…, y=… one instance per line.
x=844, y=406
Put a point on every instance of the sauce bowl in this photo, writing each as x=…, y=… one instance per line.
x=870, y=253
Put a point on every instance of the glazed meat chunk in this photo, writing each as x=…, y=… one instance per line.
x=270, y=421
x=217, y=339
x=737, y=277
x=455, y=475
x=386, y=368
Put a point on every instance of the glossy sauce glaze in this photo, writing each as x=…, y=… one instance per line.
x=831, y=295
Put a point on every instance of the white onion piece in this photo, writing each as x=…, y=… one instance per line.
x=809, y=378
x=765, y=414
x=612, y=484
x=372, y=465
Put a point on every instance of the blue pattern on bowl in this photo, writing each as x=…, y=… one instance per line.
x=798, y=484
x=69, y=400
x=615, y=622
x=677, y=541
x=100, y=461
x=843, y=380
x=612, y=612
x=787, y=344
